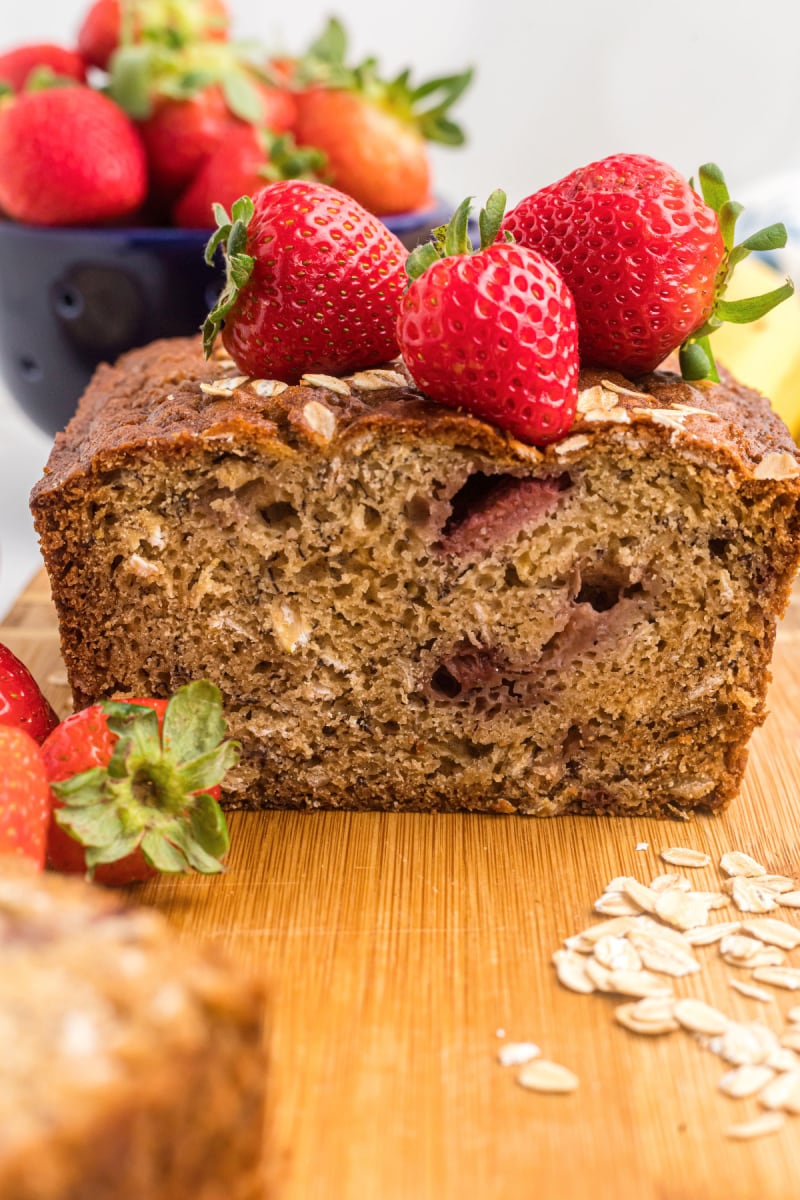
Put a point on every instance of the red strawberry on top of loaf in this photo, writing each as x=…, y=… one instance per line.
x=313, y=283
x=639, y=250
x=69, y=156
x=492, y=330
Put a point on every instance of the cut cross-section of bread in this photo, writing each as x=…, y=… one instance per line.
x=405, y=607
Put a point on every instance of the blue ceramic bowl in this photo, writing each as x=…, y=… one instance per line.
x=73, y=298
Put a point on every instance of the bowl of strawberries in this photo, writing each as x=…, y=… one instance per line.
x=113, y=155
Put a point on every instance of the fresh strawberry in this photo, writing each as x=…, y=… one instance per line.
x=24, y=796
x=16, y=66
x=21, y=702
x=183, y=132
x=246, y=161
x=646, y=258
x=68, y=156
x=373, y=132
x=136, y=786
x=491, y=330
x=169, y=23
x=313, y=283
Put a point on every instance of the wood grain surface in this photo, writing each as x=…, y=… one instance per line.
x=396, y=946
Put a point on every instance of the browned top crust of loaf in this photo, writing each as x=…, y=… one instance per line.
x=167, y=396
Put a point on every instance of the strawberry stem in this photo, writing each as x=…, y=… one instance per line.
x=453, y=239
x=696, y=356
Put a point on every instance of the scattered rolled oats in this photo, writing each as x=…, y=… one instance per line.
x=514, y=1054
x=616, y=925
x=783, y=1059
x=759, y=1127
x=542, y=1075
x=663, y=883
x=663, y=955
x=776, y=883
x=684, y=856
x=641, y=896
x=740, y=950
x=579, y=944
x=782, y=1093
x=593, y=398
x=749, y=896
x=789, y=899
x=745, y=1080
x=741, y=1043
x=712, y=899
x=706, y=935
x=793, y=1015
x=621, y=390
x=618, y=416
x=783, y=977
x=681, y=909
x=617, y=953
x=614, y=904
x=638, y=983
x=599, y=975
x=790, y=1039
x=752, y=990
x=773, y=932
x=737, y=863
x=699, y=1017
x=651, y=1016
x=570, y=445
x=571, y=971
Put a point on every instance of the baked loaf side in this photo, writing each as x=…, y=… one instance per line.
x=132, y=1066
x=405, y=607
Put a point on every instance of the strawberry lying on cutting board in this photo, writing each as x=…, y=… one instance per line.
x=24, y=796
x=491, y=330
x=313, y=283
x=136, y=787
x=646, y=257
x=22, y=704
x=373, y=132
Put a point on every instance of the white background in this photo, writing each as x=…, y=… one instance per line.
x=557, y=85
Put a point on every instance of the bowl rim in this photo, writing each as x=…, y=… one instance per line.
x=437, y=212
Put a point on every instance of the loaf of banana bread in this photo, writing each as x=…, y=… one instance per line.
x=404, y=607
x=132, y=1064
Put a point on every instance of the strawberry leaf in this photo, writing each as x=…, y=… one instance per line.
x=741, y=312
x=193, y=722
x=491, y=218
x=208, y=826
x=209, y=769
x=232, y=236
x=162, y=855
x=696, y=356
x=242, y=97
x=712, y=186
x=131, y=84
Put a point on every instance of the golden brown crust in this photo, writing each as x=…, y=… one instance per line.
x=154, y=396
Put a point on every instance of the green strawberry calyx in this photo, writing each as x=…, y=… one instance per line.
x=426, y=106
x=142, y=72
x=231, y=235
x=453, y=238
x=696, y=356
x=153, y=794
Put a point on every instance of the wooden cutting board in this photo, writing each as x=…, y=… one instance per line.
x=398, y=946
